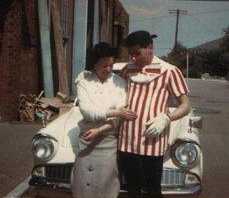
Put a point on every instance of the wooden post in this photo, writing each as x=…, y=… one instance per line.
x=59, y=49
x=44, y=24
x=79, y=39
x=103, y=12
x=187, y=64
x=96, y=23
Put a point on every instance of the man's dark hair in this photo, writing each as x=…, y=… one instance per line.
x=139, y=38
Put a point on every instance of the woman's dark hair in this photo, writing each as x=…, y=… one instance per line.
x=100, y=50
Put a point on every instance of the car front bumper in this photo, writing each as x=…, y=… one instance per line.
x=59, y=176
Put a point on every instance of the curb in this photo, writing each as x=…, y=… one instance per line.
x=19, y=189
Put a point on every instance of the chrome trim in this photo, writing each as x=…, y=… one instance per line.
x=173, y=178
x=170, y=189
x=187, y=190
x=196, y=122
x=56, y=172
x=173, y=149
x=67, y=187
x=41, y=134
x=52, y=140
x=186, y=140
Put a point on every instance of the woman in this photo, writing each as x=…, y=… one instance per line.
x=101, y=95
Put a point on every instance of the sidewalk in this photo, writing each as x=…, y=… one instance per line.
x=15, y=151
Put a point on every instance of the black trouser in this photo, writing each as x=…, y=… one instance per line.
x=141, y=173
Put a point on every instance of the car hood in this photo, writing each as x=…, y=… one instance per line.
x=65, y=128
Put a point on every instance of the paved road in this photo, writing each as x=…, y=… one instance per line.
x=212, y=100
x=16, y=158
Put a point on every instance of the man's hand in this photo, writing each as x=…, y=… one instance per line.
x=157, y=125
x=124, y=72
x=91, y=134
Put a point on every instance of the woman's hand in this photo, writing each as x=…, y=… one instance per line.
x=123, y=113
x=127, y=114
x=91, y=134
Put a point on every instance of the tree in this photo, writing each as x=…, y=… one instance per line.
x=177, y=56
x=214, y=61
x=225, y=43
x=225, y=49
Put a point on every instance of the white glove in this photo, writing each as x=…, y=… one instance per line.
x=157, y=125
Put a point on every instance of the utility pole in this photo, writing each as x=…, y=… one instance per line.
x=178, y=12
x=187, y=64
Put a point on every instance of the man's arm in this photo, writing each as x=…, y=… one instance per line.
x=157, y=125
x=177, y=87
x=182, y=110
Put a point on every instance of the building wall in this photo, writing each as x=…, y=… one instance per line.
x=110, y=26
x=19, y=57
x=20, y=60
x=112, y=14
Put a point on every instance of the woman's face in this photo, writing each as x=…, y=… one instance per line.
x=103, y=67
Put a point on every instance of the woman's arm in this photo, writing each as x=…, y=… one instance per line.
x=123, y=113
x=92, y=134
x=87, y=106
x=90, y=111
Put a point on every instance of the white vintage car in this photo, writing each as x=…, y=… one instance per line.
x=55, y=149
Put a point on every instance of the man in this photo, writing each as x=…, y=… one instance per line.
x=143, y=142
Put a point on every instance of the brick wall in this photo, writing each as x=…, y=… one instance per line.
x=19, y=60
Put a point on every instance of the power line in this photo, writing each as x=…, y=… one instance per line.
x=212, y=11
x=190, y=14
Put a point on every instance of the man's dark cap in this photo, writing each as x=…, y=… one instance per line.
x=141, y=38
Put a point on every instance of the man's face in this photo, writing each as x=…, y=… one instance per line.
x=143, y=56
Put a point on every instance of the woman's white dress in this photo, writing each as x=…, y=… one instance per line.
x=95, y=171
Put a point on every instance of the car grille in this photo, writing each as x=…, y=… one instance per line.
x=170, y=178
x=173, y=177
x=62, y=173
x=58, y=173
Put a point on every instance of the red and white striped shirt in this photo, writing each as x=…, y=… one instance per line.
x=148, y=100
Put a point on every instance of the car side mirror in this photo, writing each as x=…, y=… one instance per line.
x=196, y=122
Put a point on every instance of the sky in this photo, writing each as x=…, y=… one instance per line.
x=205, y=21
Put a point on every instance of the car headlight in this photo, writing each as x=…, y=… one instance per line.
x=185, y=154
x=44, y=147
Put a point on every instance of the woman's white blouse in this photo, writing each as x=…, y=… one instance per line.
x=96, y=99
